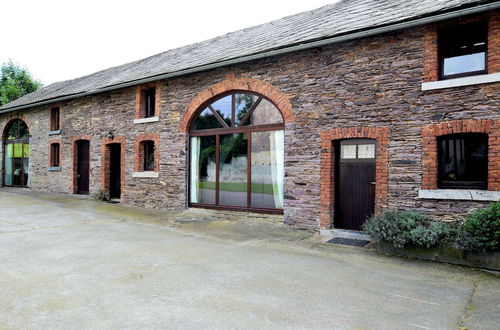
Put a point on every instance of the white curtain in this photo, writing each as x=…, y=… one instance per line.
x=278, y=166
x=195, y=169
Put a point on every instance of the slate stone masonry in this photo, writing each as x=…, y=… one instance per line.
x=372, y=83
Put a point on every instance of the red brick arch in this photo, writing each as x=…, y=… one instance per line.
x=13, y=117
x=430, y=148
x=277, y=97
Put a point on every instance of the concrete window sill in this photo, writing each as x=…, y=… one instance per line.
x=54, y=169
x=146, y=120
x=460, y=194
x=459, y=82
x=146, y=174
x=55, y=132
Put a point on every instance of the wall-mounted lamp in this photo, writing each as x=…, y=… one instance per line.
x=111, y=135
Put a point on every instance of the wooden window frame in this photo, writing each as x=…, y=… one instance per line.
x=148, y=148
x=149, y=96
x=55, y=154
x=462, y=184
x=142, y=110
x=55, y=119
x=442, y=43
x=228, y=130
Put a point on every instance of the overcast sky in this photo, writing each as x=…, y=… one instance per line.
x=58, y=40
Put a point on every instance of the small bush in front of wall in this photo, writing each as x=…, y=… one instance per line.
x=481, y=230
x=401, y=228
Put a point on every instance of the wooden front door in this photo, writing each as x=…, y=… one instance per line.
x=82, y=173
x=355, y=183
x=114, y=170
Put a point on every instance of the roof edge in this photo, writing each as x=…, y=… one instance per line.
x=304, y=46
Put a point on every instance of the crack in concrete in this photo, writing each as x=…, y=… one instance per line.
x=462, y=324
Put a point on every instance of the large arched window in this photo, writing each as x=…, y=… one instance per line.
x=16, y=154
x=237, y=154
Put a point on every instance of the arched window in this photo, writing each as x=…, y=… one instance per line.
x=237, y=154
x=17, y=153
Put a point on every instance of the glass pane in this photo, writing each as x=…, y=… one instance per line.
x=366, y=151
x=243, y=103
x=233, y=170
x=348, y=151
x=25, y=162
x=267, y=164
x=18, y=130
x=9, y=155
x=206, y=120
x=202, y=171
x=223, y=108
x=265, y=113
x=464, y=63
x=463, y=161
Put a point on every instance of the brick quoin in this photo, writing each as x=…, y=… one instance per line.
x=279, y=99
x=139, y=151
x=381, y=135
x=105, y=162
x=431, y=54
x=74, y=152
x=430, y=133
x=140, y=101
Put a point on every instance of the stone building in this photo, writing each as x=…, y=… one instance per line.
x=325, y=117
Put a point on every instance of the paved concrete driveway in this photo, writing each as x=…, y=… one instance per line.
x=72, y=263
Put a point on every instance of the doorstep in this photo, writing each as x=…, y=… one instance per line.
x=328, y=234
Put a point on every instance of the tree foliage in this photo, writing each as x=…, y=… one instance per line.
x=15, y=82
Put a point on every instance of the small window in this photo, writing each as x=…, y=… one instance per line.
x=149, y=97
x=55, y=119
x=55, y=155
x=463, y=161
x=149, y=155
x=462, y=50
x=357, y=149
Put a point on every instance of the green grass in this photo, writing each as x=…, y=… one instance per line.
x=238, y=187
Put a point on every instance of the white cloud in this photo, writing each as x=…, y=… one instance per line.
x=58, y=40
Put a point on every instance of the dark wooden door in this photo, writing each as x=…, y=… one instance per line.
x=82, y=181
x=355, y=183
x=114, y=170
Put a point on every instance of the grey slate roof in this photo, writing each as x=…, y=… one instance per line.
x=344, y=17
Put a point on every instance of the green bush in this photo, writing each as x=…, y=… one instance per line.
x=401, y=228
x=480, y=230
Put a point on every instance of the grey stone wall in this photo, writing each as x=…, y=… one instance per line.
x=370, y=82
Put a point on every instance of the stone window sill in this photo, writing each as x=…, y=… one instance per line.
x=458, y=82
x=54, y=169
x=146, y=120
x=460, y=194
x=146, y=174
x=55, y=132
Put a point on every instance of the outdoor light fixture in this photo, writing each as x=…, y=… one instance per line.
x=111, y=135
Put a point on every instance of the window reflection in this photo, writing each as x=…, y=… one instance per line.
x=265, y=113
x=222, y=172
x=206, y=120
x=267, y=164
x=202, y=172
x=224, y=108
x=233, y=169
